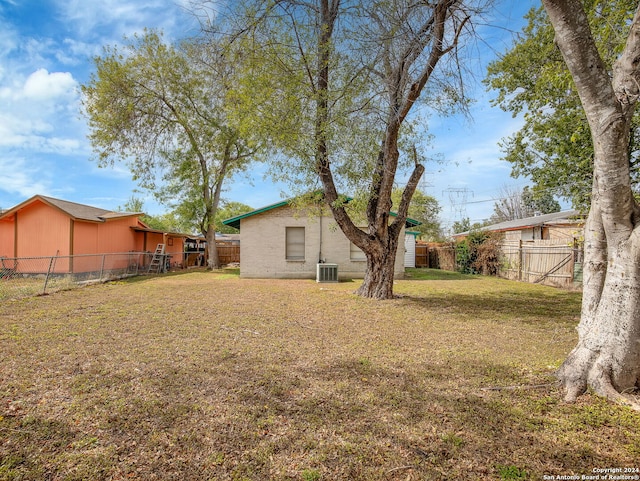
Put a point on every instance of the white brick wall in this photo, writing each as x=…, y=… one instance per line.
x=262, y=246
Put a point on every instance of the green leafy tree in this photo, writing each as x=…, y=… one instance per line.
x=339, y=81
x=228, y=210
x=423, y=208
x=462, y=225
x=465, y=225
x=536, y=201
x=519, y=204
x=168, y=222
x=165, y=109
x=554, y=147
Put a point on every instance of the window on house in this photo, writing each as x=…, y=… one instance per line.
x=295, y=243
x=355, y=253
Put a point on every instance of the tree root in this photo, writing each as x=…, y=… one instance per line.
x=600, y=379
x=518, y=387
x=602, y=384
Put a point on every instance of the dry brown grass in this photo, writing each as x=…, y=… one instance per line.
x=205, y=376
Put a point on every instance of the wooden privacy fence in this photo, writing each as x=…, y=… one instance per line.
x=549, y=262
x=546, y=262
x=436, y=256
x=228, y=253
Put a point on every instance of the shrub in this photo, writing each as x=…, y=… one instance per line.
x=467, y=251
x=487, y=261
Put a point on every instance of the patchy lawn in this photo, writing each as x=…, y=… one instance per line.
x=205, y=376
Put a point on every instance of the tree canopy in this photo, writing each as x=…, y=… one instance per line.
x=424, y=208
x=333, y=84
x=164, y=109
x=554, y=147
x=519, y=204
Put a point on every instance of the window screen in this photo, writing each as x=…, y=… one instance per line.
x=295, y=243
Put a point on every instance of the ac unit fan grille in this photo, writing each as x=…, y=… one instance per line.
x=327, y=273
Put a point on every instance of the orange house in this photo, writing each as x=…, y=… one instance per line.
x=44, y=226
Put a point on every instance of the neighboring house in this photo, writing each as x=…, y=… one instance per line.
x=410, y=248
x=542, y=249
x=44, y=226
x=558, y=226
x=281, y=241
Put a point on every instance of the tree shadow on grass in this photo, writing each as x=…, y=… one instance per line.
x=378, y=419
x=424, y=274
x=350, y=418
x=557, y=307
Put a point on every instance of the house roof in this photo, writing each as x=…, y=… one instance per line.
x=235, y=221
x=564, y=217
x=72, y=209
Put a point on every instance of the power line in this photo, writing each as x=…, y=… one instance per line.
x=458, y=200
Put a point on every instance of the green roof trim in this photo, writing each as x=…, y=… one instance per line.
x=409, y=222
x=235, y=221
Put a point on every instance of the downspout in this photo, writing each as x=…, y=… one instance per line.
x=320, y=261
x=71, y=239
x=15, y=235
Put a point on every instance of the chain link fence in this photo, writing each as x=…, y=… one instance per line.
x=30, y=276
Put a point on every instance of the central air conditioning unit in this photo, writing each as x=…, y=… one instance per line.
x=327, y=273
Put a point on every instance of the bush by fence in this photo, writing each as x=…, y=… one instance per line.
x=28, y=276
x=553, y=263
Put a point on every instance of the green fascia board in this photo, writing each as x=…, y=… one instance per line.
x=409, y=222
x=235, y=221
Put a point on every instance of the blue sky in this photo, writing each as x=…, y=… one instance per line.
x=46, y=47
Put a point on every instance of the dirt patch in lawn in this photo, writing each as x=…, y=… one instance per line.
x=205, y=376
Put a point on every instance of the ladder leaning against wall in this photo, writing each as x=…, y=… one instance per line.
x=157, y=261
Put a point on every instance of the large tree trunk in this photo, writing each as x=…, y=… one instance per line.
x=380, y=273
x=213, y=261
x=607, y=357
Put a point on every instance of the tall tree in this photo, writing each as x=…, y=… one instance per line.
x=424, y=208
x=509, y=206
x=165, y=109
x=350, y=74
x=518, y=204
x=553, y=148
x=607, y=356
x=227, y=210
x=537, y=201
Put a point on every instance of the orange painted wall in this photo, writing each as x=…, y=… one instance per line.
x=152, y=241
x=176, y=250
x=117, y=235
x=85, y=237
x=6, y=237
x=42, y=231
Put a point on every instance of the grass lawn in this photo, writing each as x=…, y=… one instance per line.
x=205, y=376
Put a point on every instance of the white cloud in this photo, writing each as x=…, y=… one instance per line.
x=42, y=85
x=107, y=21
x=77, y=52
x=40, y=113
x=18, y=178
